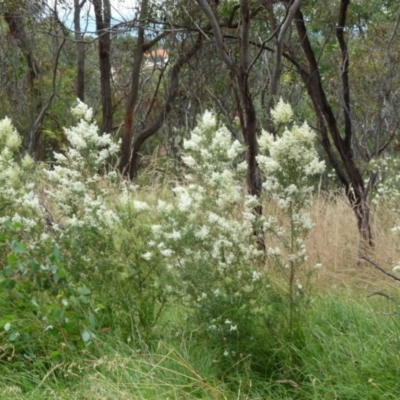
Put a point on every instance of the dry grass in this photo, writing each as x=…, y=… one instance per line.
x=334, y=242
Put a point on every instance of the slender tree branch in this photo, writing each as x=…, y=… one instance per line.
x=276, y=72
x=380, y=268
x=383, y=294
x=217, y=35
x=150, y=130
x=33, y=133
x=345, y=70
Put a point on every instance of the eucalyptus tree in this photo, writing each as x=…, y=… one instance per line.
x=30, y=23
x=327, y=55
x=150, y=31
x=343, y=53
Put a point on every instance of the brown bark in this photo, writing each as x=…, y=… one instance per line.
x=279, y=36
x=80, y=68
x=150, y=130
x=126, y=144
x=245, y=106
x=13, y=17
x=103, y=20
x=128, y=164
x=240, y=73
x=342, y=160
x=34, y=135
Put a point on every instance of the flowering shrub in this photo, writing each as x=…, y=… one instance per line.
x=196, y=246
x=105, y=229
x=37, y=292
x=76, y=178
x=18, y=201
x=387, y=188
x=205, y=236
x=289, y=162
x=43, y=318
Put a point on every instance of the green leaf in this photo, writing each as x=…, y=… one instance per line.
x=83, y=300
x=54, y=354
x=86, y=336
x=56, y=253
x=11, y=260
x=14, y=336
x=58, y=314
x=84, y=291
x=8, y=284
x=35, y=266
x=92, y=320
x=18, y=247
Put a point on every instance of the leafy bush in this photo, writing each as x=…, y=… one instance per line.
x=44, y=319
x=196, y=250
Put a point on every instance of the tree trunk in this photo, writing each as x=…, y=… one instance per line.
x=126, y=166
x=149, y=131
x=13, y=16
x=103, y=20
x=80, y=70
x=345, y=166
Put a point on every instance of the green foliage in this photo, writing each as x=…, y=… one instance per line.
x=44, y=319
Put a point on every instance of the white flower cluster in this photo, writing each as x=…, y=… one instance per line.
x=387, y=188
x=206, y=235
x=88, y=149
x=18, y=202
x=282, y=113
x=75, y=179
x=289, y=162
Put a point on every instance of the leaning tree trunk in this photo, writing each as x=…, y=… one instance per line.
x=125, y=165
x=150, y=130
x=14, y=19
x=338, y=147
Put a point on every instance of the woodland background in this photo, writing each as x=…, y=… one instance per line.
x=150, y=73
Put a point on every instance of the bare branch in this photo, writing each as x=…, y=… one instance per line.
x=380, y=268
x=345, y=70
x=157, y=124
x=383, y=294
x=274, y=82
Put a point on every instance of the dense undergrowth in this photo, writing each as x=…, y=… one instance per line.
x=349, y=350
x=161, y=290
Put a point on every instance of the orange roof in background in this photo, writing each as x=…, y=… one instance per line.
x=158, y=53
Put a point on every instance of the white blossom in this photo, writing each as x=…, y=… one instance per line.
x=147, y=256
x=282, y=113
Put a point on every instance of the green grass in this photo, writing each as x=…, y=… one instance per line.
x=350, y=350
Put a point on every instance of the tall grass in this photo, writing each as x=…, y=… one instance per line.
x=350, y=351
